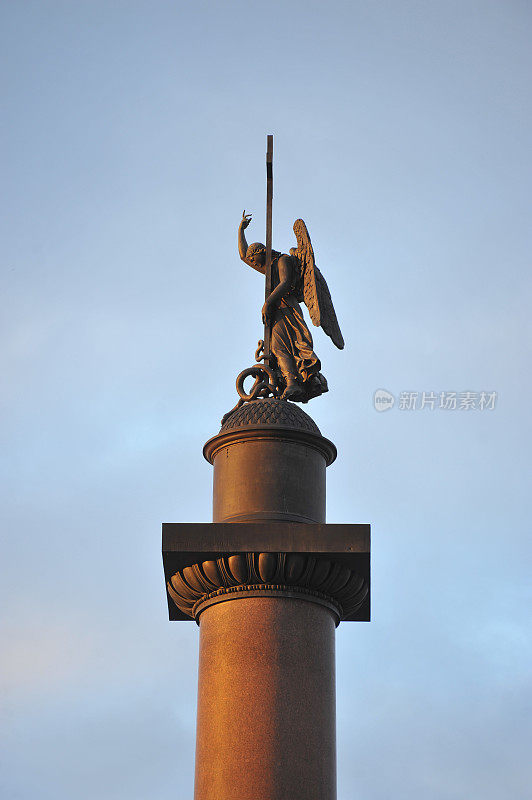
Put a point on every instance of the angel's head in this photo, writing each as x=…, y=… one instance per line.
x=256, y=254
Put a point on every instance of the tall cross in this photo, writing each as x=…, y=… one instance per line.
x=269, y=201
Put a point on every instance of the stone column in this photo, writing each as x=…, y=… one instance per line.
x=267, y=592
x=266, y=701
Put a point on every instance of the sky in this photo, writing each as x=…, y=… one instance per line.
x=133, y=137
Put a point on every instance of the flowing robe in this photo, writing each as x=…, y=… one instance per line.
x=291, y=340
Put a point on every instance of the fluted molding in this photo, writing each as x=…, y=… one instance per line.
x=272, y=574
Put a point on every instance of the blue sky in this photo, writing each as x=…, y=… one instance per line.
x=134, y=135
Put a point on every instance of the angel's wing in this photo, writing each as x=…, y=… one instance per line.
x=315, y=290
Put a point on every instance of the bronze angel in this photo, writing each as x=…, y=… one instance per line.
x=295, y=278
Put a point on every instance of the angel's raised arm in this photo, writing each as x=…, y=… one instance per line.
x=242, y=244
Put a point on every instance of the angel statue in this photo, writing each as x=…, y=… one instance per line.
x=295, y=278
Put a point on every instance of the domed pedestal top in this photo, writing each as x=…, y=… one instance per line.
x=270, y=412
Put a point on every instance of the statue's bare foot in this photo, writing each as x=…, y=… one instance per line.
x=292, y=392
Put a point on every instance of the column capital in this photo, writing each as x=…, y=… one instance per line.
x=306, y=558
x=239, y=575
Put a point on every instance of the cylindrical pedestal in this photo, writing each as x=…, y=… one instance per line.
x=270, y=468
x=268, y=478
x=266, y=701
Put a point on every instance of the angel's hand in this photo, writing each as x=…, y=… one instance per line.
x=266, y=312
x=246, y=219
